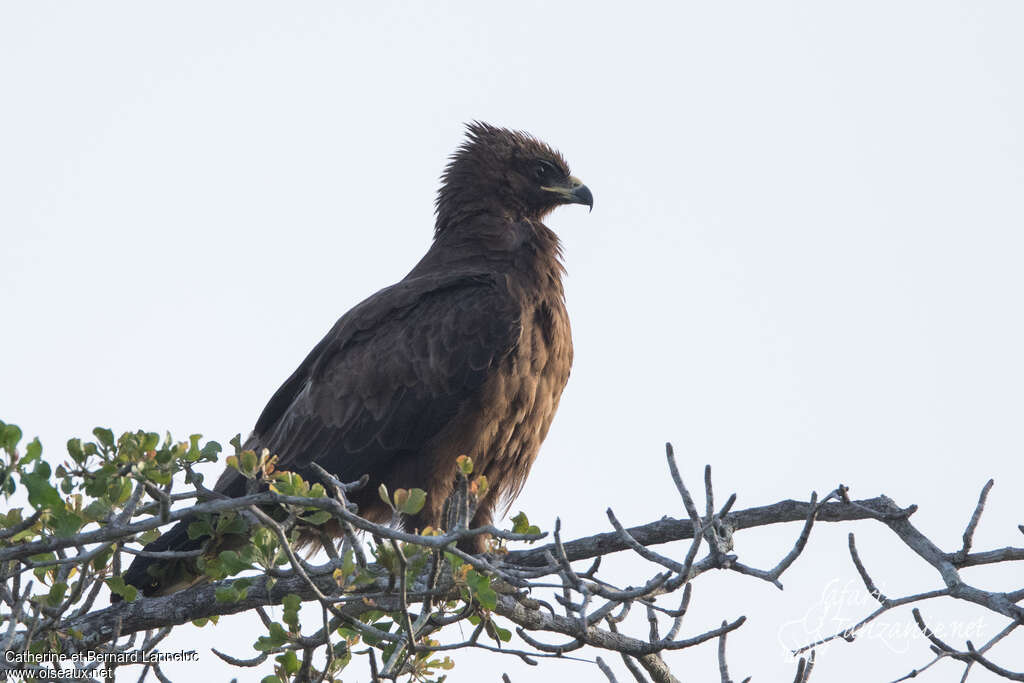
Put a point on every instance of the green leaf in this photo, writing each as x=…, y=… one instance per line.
x=410, y=502
x=193, y=454
x=465, y=464
x=371, y=616
x=11, y=518
x=40, y=493
x=105, y=436
x=119, y=489
x=97, y=485
x=32, y=451
x=159, y=477
x=147, y=537
x=57, y=592
x=521, y=525
x=386, y=557
x=117, y=585
x=233, y=562
x=7, y=485
x=10, y=435
x=265, y=542
x=101, y=560
x=289, y=484
x=348, y=563
x=75, y=450
x=454, y=560
x=276, y=638
x=97, y=510
x=150, y=440
x=65, y=523
x=199, y=528
x=318, y=517
x=480, y=586
x=231, y=523
x=249, y=462
x=234, y=592
x=479, y=486
x=42, y=572
x=164, y=456
x=211, y=567
x=210, y=450
x=291, y=603
x=498, y=633
x=289, y=661
x=227, y=594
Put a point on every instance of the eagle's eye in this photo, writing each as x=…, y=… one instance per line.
x=541, y=171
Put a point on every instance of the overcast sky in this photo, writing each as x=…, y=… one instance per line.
x=803, y=265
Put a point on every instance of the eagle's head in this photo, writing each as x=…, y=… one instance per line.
x=507, y=172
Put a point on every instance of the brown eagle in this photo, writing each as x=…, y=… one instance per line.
x=468, y=354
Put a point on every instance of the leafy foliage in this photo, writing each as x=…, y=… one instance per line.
x=113, y=492
x=68, y=526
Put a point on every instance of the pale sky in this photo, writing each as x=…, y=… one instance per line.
x=803, y=265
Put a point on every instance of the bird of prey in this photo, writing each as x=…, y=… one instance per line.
x=468, y=354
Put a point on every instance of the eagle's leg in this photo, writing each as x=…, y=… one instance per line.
x=473, y=545
x=476, y=545
x=460, y=509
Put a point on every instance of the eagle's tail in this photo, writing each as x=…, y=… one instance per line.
x=159, y=576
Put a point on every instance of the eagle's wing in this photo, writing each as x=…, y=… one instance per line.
x=389, y=376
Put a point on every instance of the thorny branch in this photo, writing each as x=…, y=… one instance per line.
x=428, y=584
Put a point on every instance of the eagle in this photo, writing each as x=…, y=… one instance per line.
x=467, y=355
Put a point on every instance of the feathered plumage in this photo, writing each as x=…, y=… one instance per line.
x=468, y=354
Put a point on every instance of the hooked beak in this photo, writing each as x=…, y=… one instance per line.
x=575, y=193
